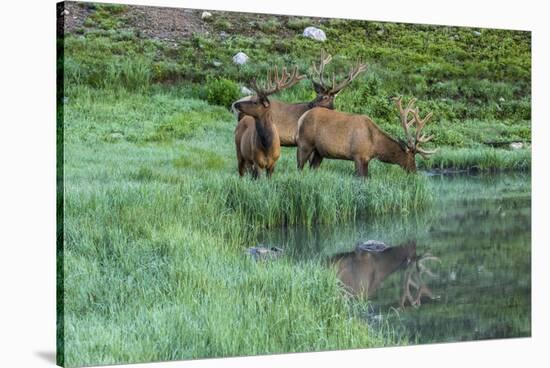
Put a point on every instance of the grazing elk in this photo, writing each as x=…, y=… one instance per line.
x=285, y=115
x=363, y=271
x=338, y=135
x=256, y=136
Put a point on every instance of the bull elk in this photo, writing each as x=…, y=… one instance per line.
x=324, y=133
x=256, y=138
x=285, y=115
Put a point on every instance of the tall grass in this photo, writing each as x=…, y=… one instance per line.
x=480, y=159
x=155, y=233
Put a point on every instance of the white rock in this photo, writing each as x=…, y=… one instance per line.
x=476, y=33
x=240, y=58
x=315, y=33
x=516, y=145
x=66, y=12
x=205, y=15
x=217, y=63
x=246, y=91
x=502, y=99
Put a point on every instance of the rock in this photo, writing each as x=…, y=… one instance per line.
x=501, y=99
x=516, y=145
x=116, y=136
x=65, y=12
x=206, y=15
x=371, y=246
x=246, y=91
x=223, y=34
x=315, y=33
x=476, y=33
x=261, y=253
x=240, y=58
x=217, y=63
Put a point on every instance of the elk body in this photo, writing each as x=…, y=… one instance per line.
x=256, y=137
x=324, y=133
x=285, y=116
x=362, y=272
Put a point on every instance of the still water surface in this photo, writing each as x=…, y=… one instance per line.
x=480, y=228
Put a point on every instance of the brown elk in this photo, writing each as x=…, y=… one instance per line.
x=324, y=133
x=285, y=115
x=362, y=272
x=256, y=138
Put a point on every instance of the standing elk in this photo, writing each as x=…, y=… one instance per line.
x=285, y=115
x=324, y=133
x=256, y=136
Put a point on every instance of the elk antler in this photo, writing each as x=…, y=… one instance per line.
x=325, y=59
x=414, y=277
x=333, y=88
x=353, y=73
x=276, y=83
x=414, y=142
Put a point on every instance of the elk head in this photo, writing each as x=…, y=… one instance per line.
x=413, y=143
x=326, y=93
x=258, y=105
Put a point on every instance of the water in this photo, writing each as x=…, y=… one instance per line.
x=480, y=228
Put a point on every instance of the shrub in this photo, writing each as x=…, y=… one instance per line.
x=270, y=26
x=221, y=91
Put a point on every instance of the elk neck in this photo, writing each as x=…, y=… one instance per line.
x=264, y=129
x=389, y=150
x=391, y=260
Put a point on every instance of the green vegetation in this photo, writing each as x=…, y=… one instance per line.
x=156, y=222
x=156, y=219
x=476, y=82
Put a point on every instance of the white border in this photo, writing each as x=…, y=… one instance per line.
x=27, y=195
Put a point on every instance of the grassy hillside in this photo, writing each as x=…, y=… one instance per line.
x=156, y=219
x=476, y=81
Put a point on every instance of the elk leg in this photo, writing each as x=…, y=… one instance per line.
x=315, y=160
x=255, y=172
x=302, y=154
x=361, y=167
x=269, y=171
x=242, y=167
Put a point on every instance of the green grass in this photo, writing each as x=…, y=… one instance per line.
x=454, y=73
x=155, y=233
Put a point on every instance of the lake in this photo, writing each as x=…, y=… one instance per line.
x=480, y=228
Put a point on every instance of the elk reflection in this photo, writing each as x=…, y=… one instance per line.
x=363, y=270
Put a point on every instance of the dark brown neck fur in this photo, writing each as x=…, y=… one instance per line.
x=264, y=128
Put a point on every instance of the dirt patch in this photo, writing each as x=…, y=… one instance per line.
x=165, y=23
x=171, y=24
x=71, y=16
